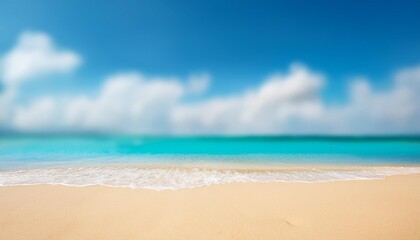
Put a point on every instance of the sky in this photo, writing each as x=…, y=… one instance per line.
x=210, y=67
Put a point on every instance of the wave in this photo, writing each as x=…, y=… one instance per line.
x=165, y=178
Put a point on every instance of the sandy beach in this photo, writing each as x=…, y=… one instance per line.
x=374, y=209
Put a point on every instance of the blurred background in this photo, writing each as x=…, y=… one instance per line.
x=210, y=67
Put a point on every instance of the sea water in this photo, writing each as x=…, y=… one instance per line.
x=184, y=162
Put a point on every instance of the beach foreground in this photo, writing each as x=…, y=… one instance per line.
x=374, y=209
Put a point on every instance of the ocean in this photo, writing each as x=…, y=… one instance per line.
x=162, y=163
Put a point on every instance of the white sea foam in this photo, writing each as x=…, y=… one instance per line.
x=179, y=178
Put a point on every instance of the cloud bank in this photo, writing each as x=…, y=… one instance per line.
x=35, y=55
x=285, y=103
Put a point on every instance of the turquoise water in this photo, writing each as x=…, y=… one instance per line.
x=21, y=151
x=182, y=162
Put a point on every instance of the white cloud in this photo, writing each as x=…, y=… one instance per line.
x=268, y=109
x=35, y=55
x=199, y=83
x=127, y=103
x=6, y=107
x=292, y=104
x=396, y=110
x=285, y=103
x=41, y=115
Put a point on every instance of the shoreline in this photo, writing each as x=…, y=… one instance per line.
x=205, y=186
x=374, y=209
x=182, y=177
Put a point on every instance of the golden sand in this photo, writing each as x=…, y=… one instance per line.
x=375, y=209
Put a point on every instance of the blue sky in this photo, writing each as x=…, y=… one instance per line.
x=239, y=43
